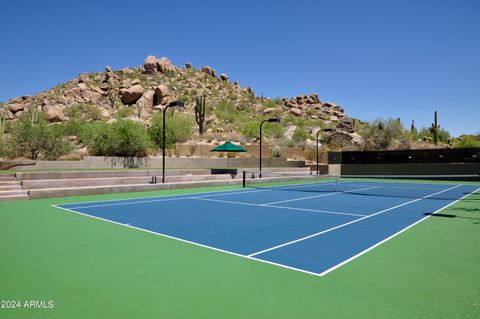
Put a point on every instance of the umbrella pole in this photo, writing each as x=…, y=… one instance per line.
x=228, y=160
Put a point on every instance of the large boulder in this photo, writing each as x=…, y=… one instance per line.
x=162, y=95
x=150, y=64
x=83, y=78
x=223, y=77
x=145, y=104
x=73, y=95
x=296, y=111
x=269, y=110
x=164, y=65
x=82, y=86
x=16, y=107
x=208, y=70
x=54, y=114
x=146, y=101
x=330, y=104
x=91, y=97
x=132, y=94
x=343, y=139
x=9, y=115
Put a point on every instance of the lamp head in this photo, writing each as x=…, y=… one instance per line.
x=274, y=120
x=176, y=104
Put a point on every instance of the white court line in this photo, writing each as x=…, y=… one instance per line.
x=162, y=199
x=315, y=210
x=348, y=223
x=392, y=236
x=271, y=206
x=208, y=193
x=236, y=254
x=322, y=195
x=188, y=241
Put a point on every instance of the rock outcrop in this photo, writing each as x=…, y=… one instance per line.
x=150, y=64
x=149, y=88
x=132, y=94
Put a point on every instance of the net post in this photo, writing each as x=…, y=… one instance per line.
x=336, y=184
x=244, y=178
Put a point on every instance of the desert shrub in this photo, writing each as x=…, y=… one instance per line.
x=271, y=103
x=123, y=112
x=383, y=132
x=251, y=129
x=73, y=127
x=277, y=151
x=467, y=141
x=226, y=111
x=425, y=134
x=85, y=111
x=178, y=128
x=121, y=138
x=300, y=135
x=7, y=148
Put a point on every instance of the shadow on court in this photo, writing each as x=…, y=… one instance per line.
x=476, y=219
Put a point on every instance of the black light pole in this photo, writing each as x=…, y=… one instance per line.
x=272, y=120
x=318, y=132
x=175, y=104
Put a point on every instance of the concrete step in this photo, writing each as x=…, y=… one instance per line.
x=13, y=192
x=10, y=188
x=13, y=197
x=85, y=182
x=106, y=174
x=7, y=177
x=10, y=183
x=96, y=190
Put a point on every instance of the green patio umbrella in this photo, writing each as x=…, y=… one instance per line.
x=228, y=147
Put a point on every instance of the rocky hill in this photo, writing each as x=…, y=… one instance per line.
x=139, y=92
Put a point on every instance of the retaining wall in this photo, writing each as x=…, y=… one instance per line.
x=101, y=162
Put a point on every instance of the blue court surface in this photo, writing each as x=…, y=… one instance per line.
x=312, y=232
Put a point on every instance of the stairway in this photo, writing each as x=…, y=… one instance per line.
x=11, y=189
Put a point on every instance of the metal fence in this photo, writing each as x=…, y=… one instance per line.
x=447, y=155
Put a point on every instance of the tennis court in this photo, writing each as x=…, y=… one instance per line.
x=274, y=249
x=308, y=224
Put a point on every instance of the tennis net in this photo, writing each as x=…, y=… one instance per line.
x=409, y=186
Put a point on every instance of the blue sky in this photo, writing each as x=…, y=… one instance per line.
x=376, y=58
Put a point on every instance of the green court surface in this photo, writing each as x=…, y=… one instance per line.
x=94, y=269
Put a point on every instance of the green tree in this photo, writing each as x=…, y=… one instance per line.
x=124, y=138
x=178, y=128
x=54, y=143
x=28, y=134
x=32, y=136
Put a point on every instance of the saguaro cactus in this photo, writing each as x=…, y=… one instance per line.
x=33, y=115
x=2, y=123
x=413, y=129
x=435, y=129
x=200, y=113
